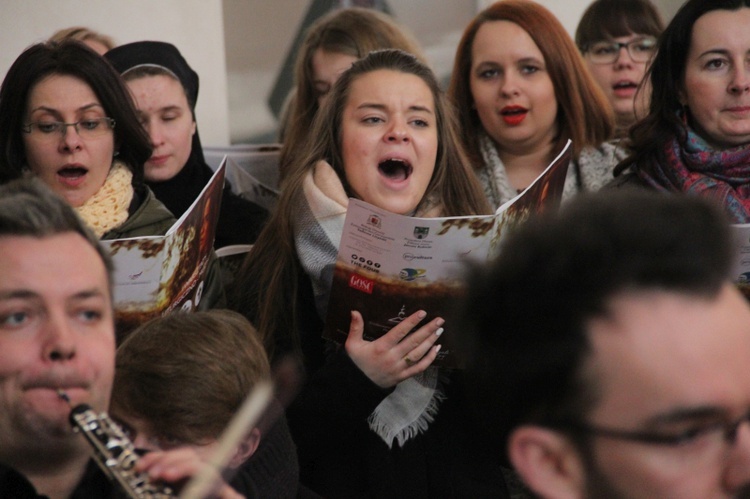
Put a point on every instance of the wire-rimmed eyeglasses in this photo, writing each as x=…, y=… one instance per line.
x=86, y=128
x=607, y=52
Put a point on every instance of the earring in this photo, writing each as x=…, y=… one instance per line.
x=117, y=153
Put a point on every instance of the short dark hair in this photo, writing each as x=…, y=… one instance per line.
x=666, y=75
x=605, y=19
x=187, y=374
x=75, y=59
x=526, y=316
x=29, y=208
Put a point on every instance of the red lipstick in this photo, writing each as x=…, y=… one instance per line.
x=513, y=115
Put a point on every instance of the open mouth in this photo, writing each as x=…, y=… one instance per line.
x=624, y=85
x=513, y=115
x=72, y=172
x=395, y=169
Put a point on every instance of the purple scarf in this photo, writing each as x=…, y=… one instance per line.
x=690, y=165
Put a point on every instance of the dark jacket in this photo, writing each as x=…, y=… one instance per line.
x=340, y=457
x=94, y=483
x=272, y=472
x=147, y=217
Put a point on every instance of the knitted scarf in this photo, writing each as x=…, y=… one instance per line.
x=108, y=207
x=494, y=178
x=412, y=406
x=691, y=165
x=588, y=172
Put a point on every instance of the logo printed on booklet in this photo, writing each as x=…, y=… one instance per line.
x=411, y=274
x=421, y=232
x=374, y=220
x=361, y=283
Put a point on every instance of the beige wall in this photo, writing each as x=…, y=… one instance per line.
x=194, y=26
x=237, y=46
x=258, y=36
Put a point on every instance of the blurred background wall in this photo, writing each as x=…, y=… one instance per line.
x=238, y=46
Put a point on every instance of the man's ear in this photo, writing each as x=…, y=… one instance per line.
x=245, y=449
x=547, y=462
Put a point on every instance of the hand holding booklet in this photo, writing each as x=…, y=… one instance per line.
x=389, y=266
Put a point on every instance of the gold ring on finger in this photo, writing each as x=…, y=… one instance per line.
x=408, y=361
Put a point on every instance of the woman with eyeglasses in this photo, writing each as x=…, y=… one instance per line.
x=522, y=90
x=695, y=138
x=618, y=39
x=67, y=117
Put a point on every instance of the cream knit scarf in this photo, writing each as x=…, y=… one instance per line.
x=413, y=404
x=108, y=207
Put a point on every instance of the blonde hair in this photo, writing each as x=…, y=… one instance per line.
x=83, y=34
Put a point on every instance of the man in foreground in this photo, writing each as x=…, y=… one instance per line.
x=57, y=335
x=610, y=352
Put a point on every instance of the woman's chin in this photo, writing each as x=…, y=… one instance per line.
x=397, y=206
x=160, y=173
x=76, y=199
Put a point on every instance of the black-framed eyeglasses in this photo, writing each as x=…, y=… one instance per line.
x=725, y=431
x=607, y=51
x=86, y=128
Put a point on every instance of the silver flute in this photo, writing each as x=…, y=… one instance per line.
x=114, y=452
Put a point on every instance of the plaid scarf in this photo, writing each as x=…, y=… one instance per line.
x=692, y=166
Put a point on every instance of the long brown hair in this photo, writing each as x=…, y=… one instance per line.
x=267, y=285
x=354, y=31
x=584, y=114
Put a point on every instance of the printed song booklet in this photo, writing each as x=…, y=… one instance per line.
x=157, y=274
x=252, y=170
x=389, y=266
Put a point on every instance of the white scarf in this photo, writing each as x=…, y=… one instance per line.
x=412, y=406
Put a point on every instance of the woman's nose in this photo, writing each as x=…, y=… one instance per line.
x=71, y=140
x=398, y=133
x=740, y=82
